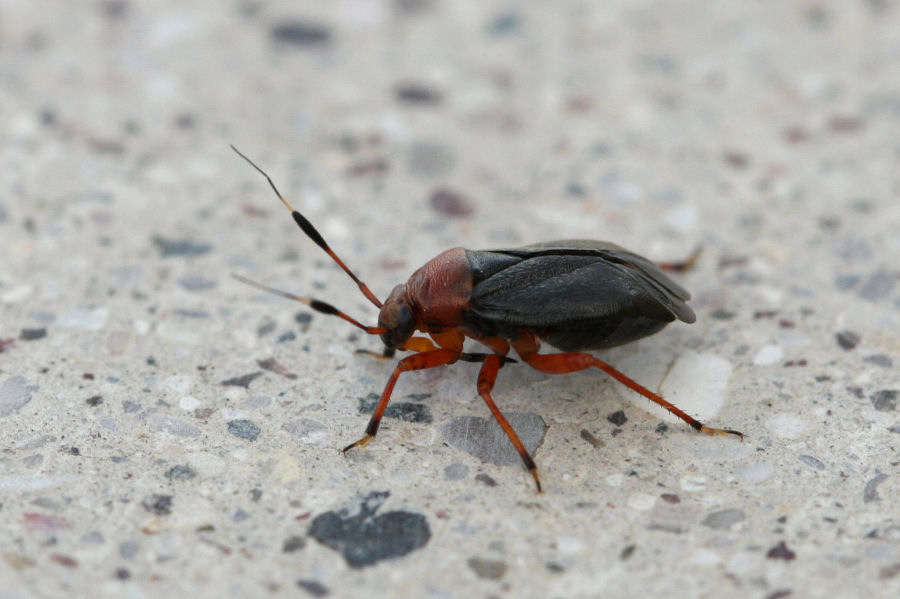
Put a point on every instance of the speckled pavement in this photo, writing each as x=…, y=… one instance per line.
x=169, y=431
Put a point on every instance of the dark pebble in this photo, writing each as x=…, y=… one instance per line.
x=503, y=24
x=880, y=360
x=885, y=400
x=811, y=461
x=122, y=573
x=196, y=283
x=313, y=588
x=364, y=538
x=161, y=505
x=870, y=493
x=186, y=313
x=781, y=551
x=417, y=93
x=845, y=282
x=265, y=328
x=242, y=381
x=293, y=543
x=273, y=366
x=401, y=410
x=244, y=429
x=722, y=314
x=590, y=438
x=878, y=286
x=724, y=519
x=780, y=594
x=450, y=203
x=671, y=498
x=179, y=247
x=300, y=34
x=847, y=339
x=427, y=159
x=180, y=473
x=486, y=480
x=627, y=552
x=288, y=336
x=32, y=334
x=490, y=569
x=95, y=400
x=456, y=471
x=618, y=418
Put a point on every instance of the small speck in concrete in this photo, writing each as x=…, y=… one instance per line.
x=724, y=519
x=173, y=426
x=878, y=286
x=242, y=381
x=885, y=400
x=245, y=429
x=15, y=392
x=490, y=569
x=448, y=202
x=590, y=438
x=618, y=418
x=486, y=480
x=847, y=339
x=300, y=34
x=312, y=587
x=33, y=334
x=196, y=283
x=180, y=472
x=781, y=551
x=811, y=461
x=882, y=360
x=161, y=505
x=455, y=471
x=870, y=493
x=179, y=247
x=293, y=543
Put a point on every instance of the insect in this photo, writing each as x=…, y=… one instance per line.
x=573, y=294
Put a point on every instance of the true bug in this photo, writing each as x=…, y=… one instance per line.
x=574, y=294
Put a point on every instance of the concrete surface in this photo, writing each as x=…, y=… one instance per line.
x=169, y=431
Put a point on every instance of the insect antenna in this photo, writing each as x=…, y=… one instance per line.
x=317, y=305
x=313, y=234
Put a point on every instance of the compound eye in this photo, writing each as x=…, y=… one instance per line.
x=404, y=327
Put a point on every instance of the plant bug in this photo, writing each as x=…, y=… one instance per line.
x=574, y=294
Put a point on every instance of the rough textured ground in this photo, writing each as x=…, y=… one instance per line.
x=166, y=430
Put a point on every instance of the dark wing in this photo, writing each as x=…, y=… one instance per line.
x=573, y=293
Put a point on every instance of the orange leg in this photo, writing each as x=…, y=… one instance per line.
x=427, y=359
x=486, y=379
x=571, y=362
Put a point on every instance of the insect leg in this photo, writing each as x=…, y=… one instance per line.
x=429, y=359
x=574, y=361
x=486, y=379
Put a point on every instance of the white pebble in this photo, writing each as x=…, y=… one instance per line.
x=85, y=318
x=754, y=473
x=641, y=501
x=696, y=383
x=768, y=354
x=693, y=483
x=787, y=426
x=189, y=403
x=615, y=480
